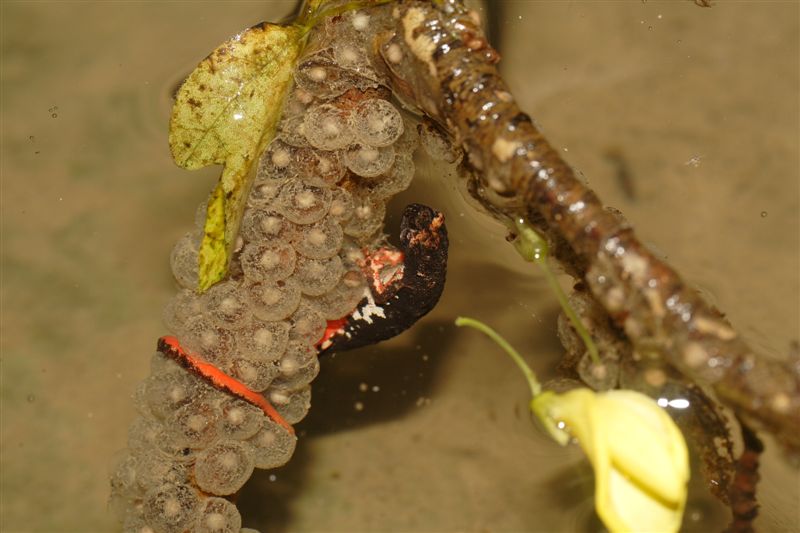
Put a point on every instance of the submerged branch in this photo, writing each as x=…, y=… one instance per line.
x=441, y=61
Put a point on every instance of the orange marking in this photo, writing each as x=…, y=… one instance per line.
x=333, y=327
x=170, y=347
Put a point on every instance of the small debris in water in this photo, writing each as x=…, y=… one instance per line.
x=31, y=398
x=363, y=387
x=763, y=214
x=358, y=406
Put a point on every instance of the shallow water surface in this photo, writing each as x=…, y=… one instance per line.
x=684, y=118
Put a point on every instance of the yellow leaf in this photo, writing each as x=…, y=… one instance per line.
x=225, y=113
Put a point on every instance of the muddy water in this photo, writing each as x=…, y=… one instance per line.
x=697, y=107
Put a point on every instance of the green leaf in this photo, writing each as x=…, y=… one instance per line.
x=226, y=112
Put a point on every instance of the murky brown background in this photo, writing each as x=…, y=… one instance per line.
x=702, y=104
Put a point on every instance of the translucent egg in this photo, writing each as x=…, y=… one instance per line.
x=318, y=276
x=396, y=180
x=292, y=131
x=308, y=325
x=341, y=204
x=227, y=304
x=265, y=225
x=318, y=74
x=409, y=140
x=328, y=166
x=327, y=127
x=184, y=262
x=369, y=161
x=208, y=340
x=263, y=193
x=183, y=306
x=195, y=425
x=264, y=340
x=171, y=508
x=267, y=261
x=154, y=469
x=343, y=298
x=367, y=219
x=273, y=300
x=319, y=240
x=240, y=420
x=224, y=468
x=165, y=393
x=124, y=488
x=218, y=515
x=297, y=407
x=256, y=374
x=142, y=433
x=272, y=446
x=278, y=162
x=304, y=201
x=438, y=145
x=299, y=355
x=350, y=56
x=376, y=122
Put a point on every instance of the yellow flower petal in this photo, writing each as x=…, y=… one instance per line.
x=638, y=454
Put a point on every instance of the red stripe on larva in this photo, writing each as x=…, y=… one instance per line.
x=170, y=347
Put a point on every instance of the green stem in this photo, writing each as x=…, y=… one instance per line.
x=532, y=247
x=536, y=388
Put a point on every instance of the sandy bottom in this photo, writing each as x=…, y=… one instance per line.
x=701, y=104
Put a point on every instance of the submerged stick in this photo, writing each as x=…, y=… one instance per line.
x=441, y=61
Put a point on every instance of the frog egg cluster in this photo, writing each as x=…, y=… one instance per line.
x=317, y=202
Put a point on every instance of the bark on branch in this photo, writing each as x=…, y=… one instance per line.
x=441, y=61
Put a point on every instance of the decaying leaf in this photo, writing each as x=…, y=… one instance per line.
x=225, y=113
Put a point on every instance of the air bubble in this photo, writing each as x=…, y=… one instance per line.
x=218, y=515
x=327, y=127
x=274, y=300
x=227, y=304
x=341, y=204
x=308, y=325
x=240, y=420
x=367, y=219
x=224, y=468
x=319, y=240
x=267, y=261
x=318, y=276
x=195, y=425
x=376, y=122
x=184, y=262
x=256, y=374
x=171, y=508
x=264, y=340
x=342, y=299
x=273, y=446
x=368, y=161
x=304, y=201
x=261, y=225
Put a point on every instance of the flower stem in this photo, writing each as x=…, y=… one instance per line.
x=532, y=247
x=536, y=388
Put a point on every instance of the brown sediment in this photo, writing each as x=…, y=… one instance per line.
x=460, y=87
